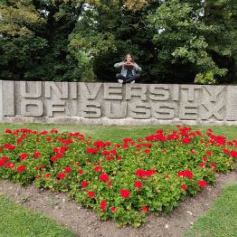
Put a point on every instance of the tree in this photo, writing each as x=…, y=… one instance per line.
x=73, y=40
x=222, y=46
x=109, y=31
x=186, y=36
x=34, y=42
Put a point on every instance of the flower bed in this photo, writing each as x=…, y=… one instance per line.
x=119, y=181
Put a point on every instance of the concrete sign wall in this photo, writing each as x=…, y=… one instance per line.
x=113, y=103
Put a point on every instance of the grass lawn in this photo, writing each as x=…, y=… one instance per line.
x=18, y=221
x=117, y=133
x=221, y=220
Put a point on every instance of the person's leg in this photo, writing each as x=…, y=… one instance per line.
x=120, y=78
x=133, y=78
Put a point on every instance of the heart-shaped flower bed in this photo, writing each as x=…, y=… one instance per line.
x=120, y=181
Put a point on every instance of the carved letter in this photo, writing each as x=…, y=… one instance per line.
x=191, y=91
x=113, y=91
x=36, y=92
x=212, y=110
x=53, y=86
x=116, y=110
x=73, y=90
x=231, y=102
x=141, y=111
x=8, y=97
x=188, y=111
x=164, y=111
x=159, y=92
x=56, y=106
x=88, y=92
x=214, y=91
x=36, y=108
x=136, y=91
x=91, y=110
x=175, y=93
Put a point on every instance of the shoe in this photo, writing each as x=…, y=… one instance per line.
x=120, y=81
x=132, y=82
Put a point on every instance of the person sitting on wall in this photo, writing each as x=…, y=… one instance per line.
x=129, y=70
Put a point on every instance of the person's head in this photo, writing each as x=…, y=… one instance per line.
x=129, y=58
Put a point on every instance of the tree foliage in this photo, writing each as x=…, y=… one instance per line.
x=195, y=35
x=79, y=40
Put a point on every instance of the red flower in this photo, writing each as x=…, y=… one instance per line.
x=80, y=171
x=113, y=209
x=124, y=193
x=202, y=183
x=49, y=139
x=213, y=165
x=183, y=187
x=97, y=169
x=55, y=150
x=201, y=165
x=43, y=133
x=127, y=140
x=37, y=154
x=138, y=184
x=19, y=140
x=104, y=177
x=193, y=152
x=144, y=208
x=226, y=151
x=105, y=153
x=9, y=131
x=67, y=169
x=23, y=156
x=145, y=173
x=167, y=176
x=47, y=175
x=2, y=162
x=99, y=144
x=186, y=173
x=5, y=158
x=204, y=159
x=9, y=165
x=114, y=152
x=91, y=150
x=84, y=184
x=147, y=151
x=20, y=169
x=209, y=153
x=107, y=143
x=61, y=175
x=109, y=157
x=9, y=147
x=103, y=205
x=91, y=194
x=186, y=140
x=233, y=154
x=125, y=146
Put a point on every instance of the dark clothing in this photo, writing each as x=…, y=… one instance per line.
x=129, y=73
x=127, y=80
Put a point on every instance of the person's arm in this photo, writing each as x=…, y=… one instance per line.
x=118, y=65
x=137, y=68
